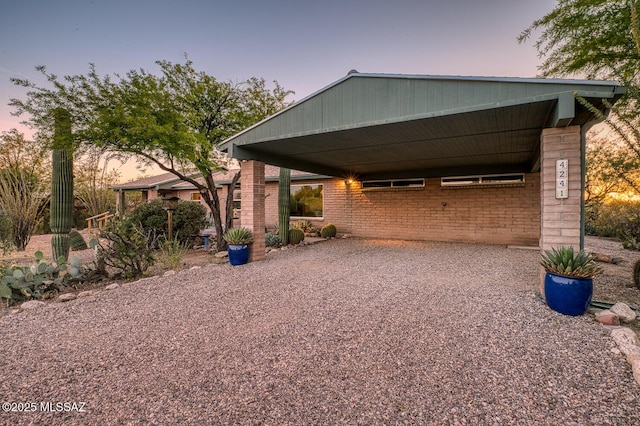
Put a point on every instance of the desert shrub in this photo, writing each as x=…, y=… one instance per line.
x=127, y=247
x=6, y=234
x=619, y=219
x=328, y=231
x=171, y=253
x=272, y=240
x=189, y=219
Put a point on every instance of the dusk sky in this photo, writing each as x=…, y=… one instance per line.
x=304, y=45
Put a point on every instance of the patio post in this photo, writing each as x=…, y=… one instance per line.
x=252, y=211
x=561, y=194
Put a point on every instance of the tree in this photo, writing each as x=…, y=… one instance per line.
x=596, y=39
x=94, y=182
x=23, y=186
x=175, y=120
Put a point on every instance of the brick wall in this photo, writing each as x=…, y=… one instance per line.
x=506, y=215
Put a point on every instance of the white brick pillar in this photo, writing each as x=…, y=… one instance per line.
x=252, y=208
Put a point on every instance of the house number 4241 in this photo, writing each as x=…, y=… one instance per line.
x=562, y=178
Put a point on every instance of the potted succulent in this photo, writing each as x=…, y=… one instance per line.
x=238, y=240
x=568, y=283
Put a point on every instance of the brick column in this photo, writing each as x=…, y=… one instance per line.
x=252, y=211
x=560, y=218
x=560, y=223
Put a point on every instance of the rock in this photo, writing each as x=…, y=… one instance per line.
x=169, y=273
x=32, y=304
x=67, y=297
x=630, y=349
x=607, y=317
x=194, y=268
x=635, y=367
x=623, y=311
x=112, y=286
x=625, y=337
x=632, y=357
x=16, y=311
x=221, y=254
x=85, y=293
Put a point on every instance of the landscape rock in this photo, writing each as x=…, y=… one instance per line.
x=623, y=311
x=635, y=367
x=169, y=273
x=607, y=317
x=85, y=293
x=630, y=349
x=221, y=254
x=633, y=357
x=112, y=286
x=32, y=304
x=66, y=297
x=194, y=268
x=624, y=337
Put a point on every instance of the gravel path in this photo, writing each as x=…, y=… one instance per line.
x=341, y=332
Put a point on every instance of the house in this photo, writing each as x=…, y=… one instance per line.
x=479, y=159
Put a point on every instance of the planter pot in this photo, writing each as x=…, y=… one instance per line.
x=568, y=295
x=238, y=254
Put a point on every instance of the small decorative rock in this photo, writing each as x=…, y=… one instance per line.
x=85, y=293
x=221, y=254
x=169, y=273
x=67, y=297
x=32, y=304
x=607, y=317
x=194, y=268
x=624, y=336
x=635, y=367
x=112, y=286
x=623, y=311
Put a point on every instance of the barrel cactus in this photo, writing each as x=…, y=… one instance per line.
x=328, y=231
x=295, y=236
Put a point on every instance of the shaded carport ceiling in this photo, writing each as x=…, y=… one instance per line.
x=379, y=126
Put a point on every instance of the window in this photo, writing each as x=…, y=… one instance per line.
x=372, y=185
x=306, y=201
x=195, y=196
x=236, y=204
x=515, y=179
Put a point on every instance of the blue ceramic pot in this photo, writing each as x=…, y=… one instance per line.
x=238, y=254
x=568, y=295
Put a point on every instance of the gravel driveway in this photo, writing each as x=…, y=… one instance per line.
x=341, y=332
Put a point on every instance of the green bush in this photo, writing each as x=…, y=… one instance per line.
x=619, y=219
x=189, y=219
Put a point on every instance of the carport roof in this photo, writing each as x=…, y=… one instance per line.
x=382, y=126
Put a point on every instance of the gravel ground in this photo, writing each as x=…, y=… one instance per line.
x=341, y=332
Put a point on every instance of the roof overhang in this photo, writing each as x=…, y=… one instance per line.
x=375, y=126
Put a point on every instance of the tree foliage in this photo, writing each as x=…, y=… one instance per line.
x=174, y=120
x=599, y=39
x=94, y=182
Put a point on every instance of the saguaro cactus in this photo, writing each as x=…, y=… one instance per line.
x=284, y=210
x=61, y=217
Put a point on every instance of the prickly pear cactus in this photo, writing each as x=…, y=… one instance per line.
x=61, y=218
x=284, y=193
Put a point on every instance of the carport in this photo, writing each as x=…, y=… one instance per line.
x=371, y=127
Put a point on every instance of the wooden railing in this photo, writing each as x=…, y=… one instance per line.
x=98, y=221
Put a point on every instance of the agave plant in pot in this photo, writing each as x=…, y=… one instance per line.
x=238, y=240
x=568, y=283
